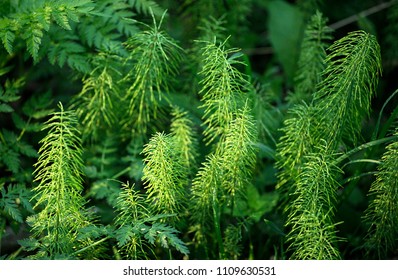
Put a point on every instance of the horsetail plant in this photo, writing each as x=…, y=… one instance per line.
x=176, y=144
x=154, y=58
x=334, y=118
x=163, y=175
x=311, y=61
x=59, y=173
x=223, y=87
x=381, y=215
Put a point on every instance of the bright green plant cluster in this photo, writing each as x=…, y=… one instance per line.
x=134, y=130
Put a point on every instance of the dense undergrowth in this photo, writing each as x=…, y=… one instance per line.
x=198, y=129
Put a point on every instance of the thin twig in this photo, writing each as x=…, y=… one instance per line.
x=362, y=14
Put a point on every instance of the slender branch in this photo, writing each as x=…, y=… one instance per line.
x=364, y=146
x=361, y=160
x=365, y=13
x=381, y=112
x=90, y=246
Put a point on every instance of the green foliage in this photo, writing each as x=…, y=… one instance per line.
x=155, y=57
x=58, y=172
x=222, y=90
x=351, y=77
x=240, y=129
x=185, y=140
x=14, y=200
x=95, y=104
x=163, y=175
x=338, y=107
x=381, y=214
x=238, y=154
x=313, y=232
x=137, y=229
x=30, y=19
x=311, y=62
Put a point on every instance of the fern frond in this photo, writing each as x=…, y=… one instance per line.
x=108, y=27
x=223, y=88
x=155, y=57
x=136, y=229
x=351, y=77
x=146, y=7
x=163, y=175
x=66, y=48
x=312, y=59
x=59, y=174
x=14, y=199
x=33, y=18
x=382, y=213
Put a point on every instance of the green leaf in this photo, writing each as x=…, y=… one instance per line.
x=8, y=39
x=5, y=108
x=29, y=244
x=61, y=18
x=124, y=234
x=26, y=149
x=285, y=26
x=11, y=160
x=12, y=198
x=33, y=42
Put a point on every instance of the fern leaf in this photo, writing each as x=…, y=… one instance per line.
x=13, y=198
x=167, y=237
x=61, y=18
x=146, y=7
x=32, y=18
x=33, y=40
x=8, y=38
x=10, y=155
x=5, y=108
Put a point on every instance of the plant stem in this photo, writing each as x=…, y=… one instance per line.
x=216, y=218
x=364, y=146
x=90, y=246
